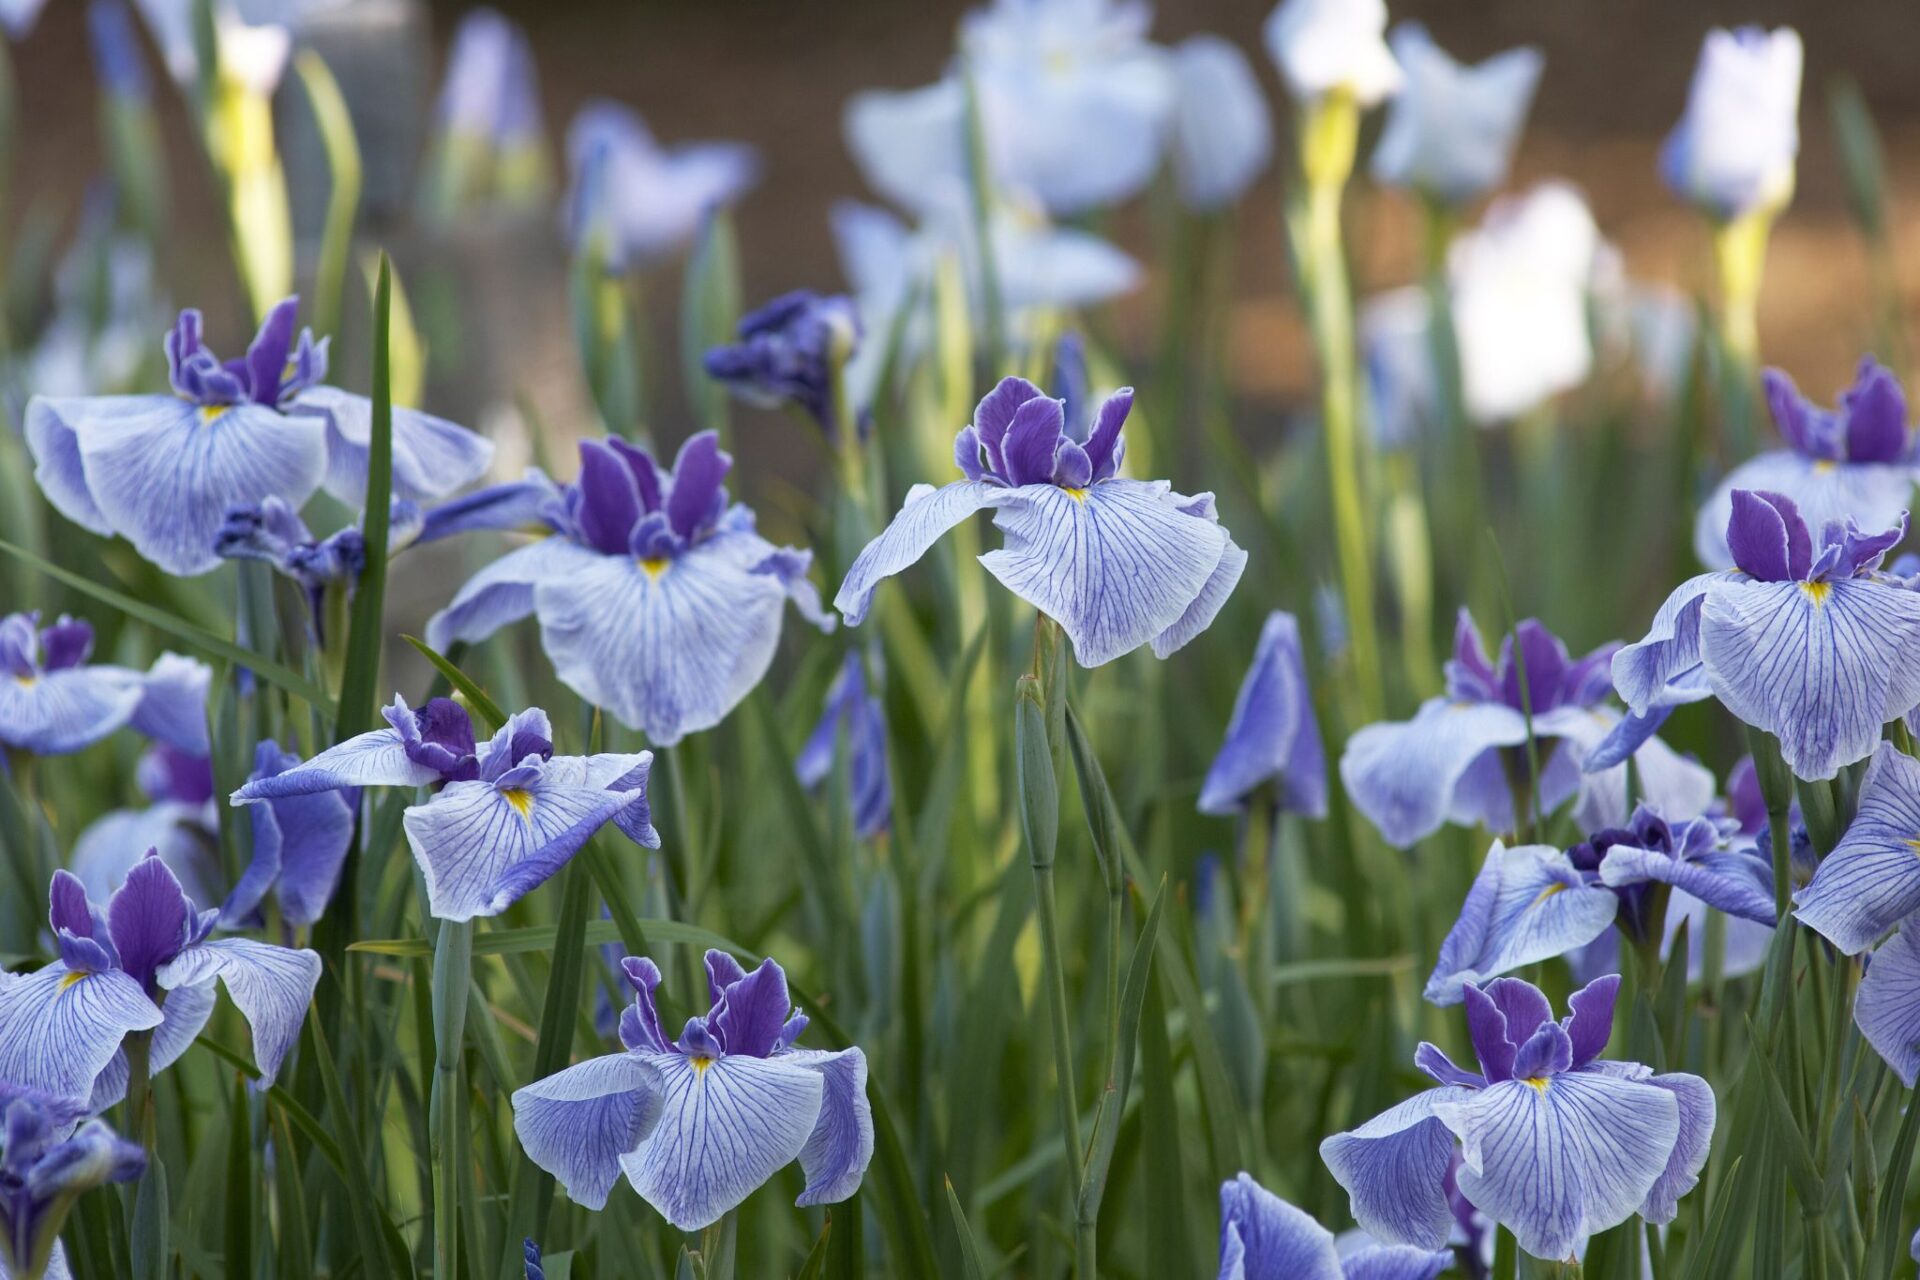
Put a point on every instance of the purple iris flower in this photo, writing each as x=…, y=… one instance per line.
x=1854, y=462
x=299, y=845
x=45, y=1163
x=644, y=200
x=1273, y=736
x=1555, y=1144
x=853, y=711
x=61, y=1027
x=504, y=817
x=657, y=600
x=179, y=822
x=1262, y=1237
x=789, y=352
x=1533, y=902
x=699, y=1123
x=273, y=532
x=1870, y=882
x=1117, y=563
x=1804, y=639
x=163, y=471
x=1458, y=758
x=53, y=701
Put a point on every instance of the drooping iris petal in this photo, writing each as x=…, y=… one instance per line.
x=1262, y=1237
x=1396, y=1262
x=924, y=517
x=1403, y=775
x=1871, y=880
x=299, y=846
x=578, y=1123
x=1272, y=735
x=1115, y=566
x=1736, y=883
x=1527, y=904
x=840, y=1147
x=59, y=1028
x=1822, y=666
x=1394, y=1169
x=162, y=471
x=502, y=593
x=910, y=143
x=56, y=712
x=1698, y=1110
x=726, y=1125
x=1872, y=495
x=1887, y=1006
x=271, y=986
x=1670, y=650
x=431, y=456
x=1207, y=605
x=1676, y=786
x=1557, y=1161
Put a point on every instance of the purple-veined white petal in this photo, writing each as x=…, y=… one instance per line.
x=375, y=759
x=1669, y=650
x=502, y=593
x=431, y=456
x=1402, y=775
x=1207, y=605
x=55, y=446
x=184, y=1015
x=271, y=986
x=578, y=1123
x=1676, y=786
x=56, y=712
x=841, y=1144
x=1528, y=904
x=1262, y=1237
x=59, y=1028
x=1698, y=1111
x=1394, y=1169
x=1887, y=1006
x=1870, y=882
x=1872, y=495
x=924, y=517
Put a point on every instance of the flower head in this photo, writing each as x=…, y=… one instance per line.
x=1117, y=563
x=790, y=352
x=272, y=532
x=700, y=1122
x=657, y=599
x=45, y=1163
x=1273, y=736
x=54, y=701
x=640, y=200
x=1328, y=46
x=1555, y=1144
x=1451, y=130
x=1262, y=1237
x=1222, y=133
x=853, y=711
x=1733, y=151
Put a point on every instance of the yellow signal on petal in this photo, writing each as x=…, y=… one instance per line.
x=520, y=799
x=1816, y=591
x=654, y=566
x=1078, y=495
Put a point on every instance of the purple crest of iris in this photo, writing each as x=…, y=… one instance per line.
x=50, y=1156
x=179, y=823
x=1804, y=638
x=1554, y=1143
x=658, y=601
x=273, y=533
x=1534, y=902
x=504, y=816
x=1117, y=563
x=145, y=961
x=54, y=701
x=1852, y=462
x=1273, y=737
x=790, y=351
x=1262, y=1237
x=854, y=715
x=699, y=1123
x=163, y=471
x=1457, y=759
x=642, y=200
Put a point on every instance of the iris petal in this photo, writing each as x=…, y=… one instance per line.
x=1697, y=1113
x=1262, y=1237
x=271, y=986
x=924, y=517
x=184, y=1015
x=58, y=467
x=1394, y=1169
x=431, y=456
x=1887, y=1007
x=1527, y=904
x=841, y=1144
x=1403, y=775
x=1272, y=735
x=503, y=592
x=1671, y=647
x=1872, y=495
x=59, y=1029
x=375, y=759
x=578, y=1123
x=1871, y=880
x=68, y=710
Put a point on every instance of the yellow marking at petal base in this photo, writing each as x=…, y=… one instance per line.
x=26, y=681
x=1824, y=465
x=700, y=1065
x=1538, y=1082
x=1816, y=591
x=210, y=413
x=1548, y=892
x=522, y=801
x=1913, y=844
x=654, y=566
x=70, y=979
x=1078, y=495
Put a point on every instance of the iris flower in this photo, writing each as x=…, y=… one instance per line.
x=489, y=138
x=1853, y=462
x=1461, y=756
x=1733, y=151
x=53, y=701
x=299, y=845
x=853, y=711
x=1222, y=127
x=1533, y=902
x=1333, y=46
x=61, y=1026
x=789, y=352
x=1262, y=1237
x=1117, y=563
x=1555, y=1144
x=657, y=600
x=162, y=471
x=504, y=817
x=1806, y=640
x=644, y=200
x=699, y=1123
x=1273, y=736
x=45, y=1163
x=1870, y=881
x=1451, y=130
x=1887, y=1006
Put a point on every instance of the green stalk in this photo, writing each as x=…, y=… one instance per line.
x=452, y=984
x=1740, y=256
x=1506, y=1254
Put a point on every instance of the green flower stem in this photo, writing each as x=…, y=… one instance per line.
x=452, y=983
x=1740, y=256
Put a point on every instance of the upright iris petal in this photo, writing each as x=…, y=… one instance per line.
x=1117, y=563
x=1273, y=736
x=1329, y=46
x=699, y=1123
x=1451, y=130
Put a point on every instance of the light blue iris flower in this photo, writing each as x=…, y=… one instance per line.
x=1262, y=1237
x=658, y=602
x=1117, y=563
x=1733, y=151
x=504, y=816
x=143, y=962
x=1451, y=130
x=1555, y=1144
x=1223, y=126
x=1273, y=736
x=700, y=1123
x=162, y=471
x=644, y=201
x=53, y=701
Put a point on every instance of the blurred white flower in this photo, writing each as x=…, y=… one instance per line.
x=1451, y=130
x=1223, y=136
x=18, y=16
x=1324, y=45
x=648, y=200
x=1733, y=151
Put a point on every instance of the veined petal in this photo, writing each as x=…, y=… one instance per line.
x=726, y=1126
x=1871, y=880
x=926, y=514
x=66, y=710
x=299, y=846
x=1396, y=1262
x=578, y=1123
x=431, y=456
x=841, y=1144
x=1671, y=647
x=1262, y=1237
x=1394, y=1168
x=55, y=446
x=1872, y=495
x=1676, y=786
x=502, y=593
x=184, y=1015
x=271, y=986
x=1272, y=735
x=1527, y=904
x=59, y=1029
x=173, y=703
x=1402, y=775
x=1682, y=1174
x=1556, y=1164
x=375, y=759
x=165, y=477
x=1887, y=1006
x=1821, y=666
x=1207, y=605
x=668, y=652
x=1115, y=566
